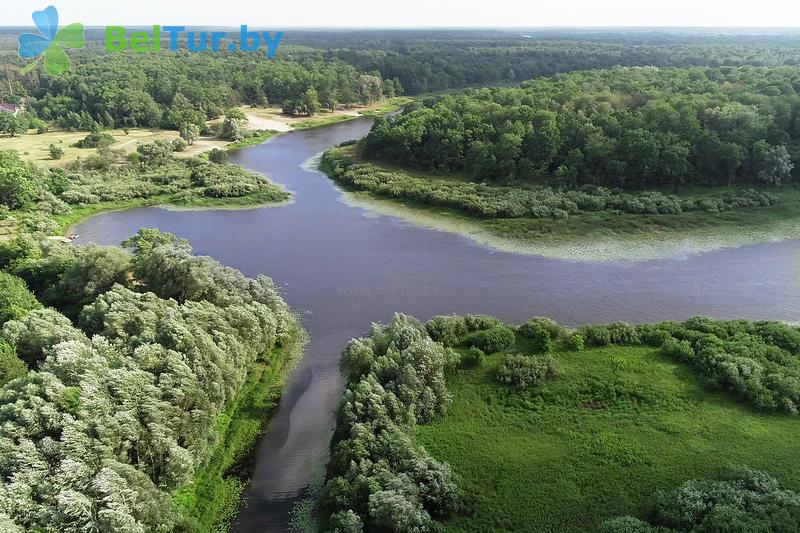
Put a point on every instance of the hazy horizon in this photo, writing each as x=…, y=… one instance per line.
x=422, y=14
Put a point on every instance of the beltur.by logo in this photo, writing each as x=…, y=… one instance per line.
x=50, y=44
x=117, y=39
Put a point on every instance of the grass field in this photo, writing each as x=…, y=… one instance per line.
x=34, y=147
x=616, y=426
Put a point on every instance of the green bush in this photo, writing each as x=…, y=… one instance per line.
x=678, y=349
x=491, y=340
x=532, y=327
x=11, y=366
x=526, y=371
x=15, y=298
x=446, y=329
x=479, y=322
x=743, y=501
x=539, y=335
x=596, y=335
x=95, y=140
x=473, y=357
x=576, y=342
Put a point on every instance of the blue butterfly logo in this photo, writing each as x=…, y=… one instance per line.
x=51, y=42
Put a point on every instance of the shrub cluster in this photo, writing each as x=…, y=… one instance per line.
x=524, y=371
x=378, y=479
x=492, y=201
x=107, y=178
x=744, y=500
x=756, y=361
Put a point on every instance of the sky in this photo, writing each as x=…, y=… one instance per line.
x=413, y=13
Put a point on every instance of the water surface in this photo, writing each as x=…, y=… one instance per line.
x=343, y=267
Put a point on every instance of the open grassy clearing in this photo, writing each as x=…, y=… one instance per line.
x=35, y=147
x=617, y=425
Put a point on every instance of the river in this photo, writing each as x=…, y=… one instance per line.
x=343, y=267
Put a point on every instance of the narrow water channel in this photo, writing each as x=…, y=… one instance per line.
x=343, y=267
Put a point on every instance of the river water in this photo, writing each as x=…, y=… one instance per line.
x=343, y=267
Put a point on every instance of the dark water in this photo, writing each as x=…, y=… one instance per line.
x=343, y=268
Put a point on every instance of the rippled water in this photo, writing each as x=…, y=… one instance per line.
x=342, y=268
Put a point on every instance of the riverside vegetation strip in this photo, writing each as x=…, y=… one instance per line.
x=588, y=223
x=544, y=428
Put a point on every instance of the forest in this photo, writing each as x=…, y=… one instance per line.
x=626, y=127
x=424, y=61
x=467, y=387
x=174, y=90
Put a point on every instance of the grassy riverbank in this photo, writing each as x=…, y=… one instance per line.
x=546, y=428
x=602, y=235
x=617, y=425
x=214, y=496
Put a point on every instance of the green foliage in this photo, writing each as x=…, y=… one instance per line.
x=55, y=152
x=598, y=442
x=446, y=330
x=12, y=125
x=472, y=357
x=15, y=298
x=576, y=342
x=526, y=200
x=395, y=378
x=190, y=133
x=218, y=156
x=142, y=373
x=18, y=183
x=745, y=500
x=533, y=327
x=11, y=366
x=491, y=340
x=542, y=332
x=524, y=371
x=638, y=127
x=37, y=331
x=95, y=140
x=189, y=89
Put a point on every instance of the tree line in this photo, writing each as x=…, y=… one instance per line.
x=627, y=127
x=426, y=61
x=175, y=90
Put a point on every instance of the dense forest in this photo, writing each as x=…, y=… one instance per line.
x=121, y=402
x=424, y=61
x=380, y=479
x=174, y=90
x=629, y=127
